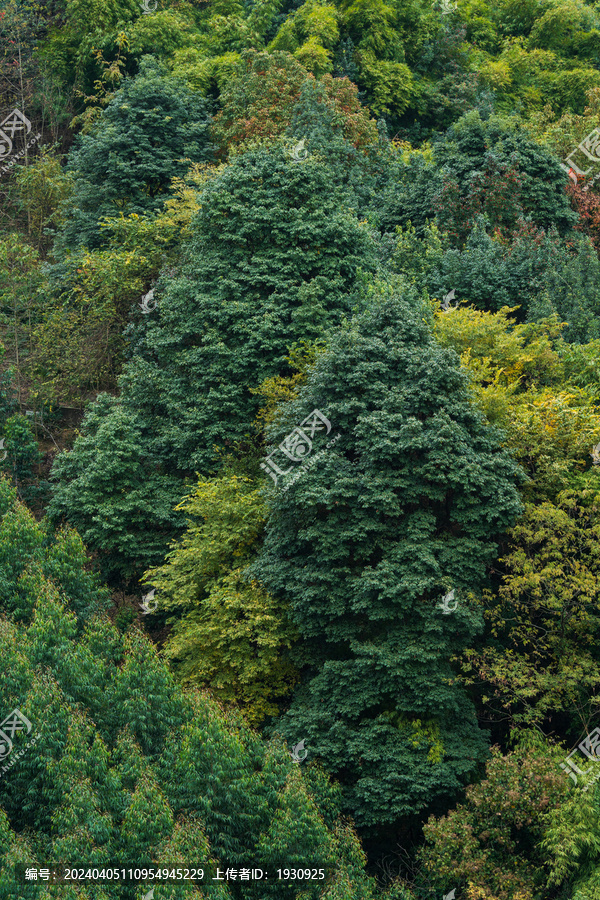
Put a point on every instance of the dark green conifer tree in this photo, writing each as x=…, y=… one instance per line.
x=400, y=511
x=150, y=132
x=272, y=261
x=481, y=166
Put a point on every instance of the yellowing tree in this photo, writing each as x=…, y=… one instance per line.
x=229, y=634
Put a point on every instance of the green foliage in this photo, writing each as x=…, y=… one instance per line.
x=121, y=767
x=330, y=629
x=81, y=49
x=491, y=842
x=272, y=260
x=262, y=97
x=149, y=133
x=376, y=30
x=272, y=96
x=162, y=34
x=504, y=234
x=542, y=661
x=403, y=508
x=32, y=556
x=279, y=389
x=43, y=187
x=310, y=33
x=78, y=342
x=7, y=402
x=513, y=167
x=22, y=457
x=522, y=384
x=563, y=27
x=229, y=634
x=121, y=505
x=572, y=845
x=21, y=293
x=535, y=271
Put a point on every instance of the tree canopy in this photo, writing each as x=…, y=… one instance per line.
x=300, y=448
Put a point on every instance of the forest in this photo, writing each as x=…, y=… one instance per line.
x=299, y=449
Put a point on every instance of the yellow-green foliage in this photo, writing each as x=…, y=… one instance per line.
x=234, y=643
x=519, y=379
x=280, y=389
x=562, y=134
x=309, y=33
x=76, y=346
x=375, y=22
x=563, y=27
x=538, y=76
x=314, y=57
x=490, y=841
x=419, y=733
x=43, y=186
x=201, y=72
x=161, y=33
x=391, y=84
x=545, y=616
x=229, y=634
x=546, y=611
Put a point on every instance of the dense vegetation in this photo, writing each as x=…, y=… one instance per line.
x=300, y=446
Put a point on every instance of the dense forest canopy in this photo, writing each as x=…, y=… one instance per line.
x=300, y=449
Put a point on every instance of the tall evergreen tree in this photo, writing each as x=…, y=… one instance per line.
x=403, y=509
x=148, y=134
x=272, y=261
